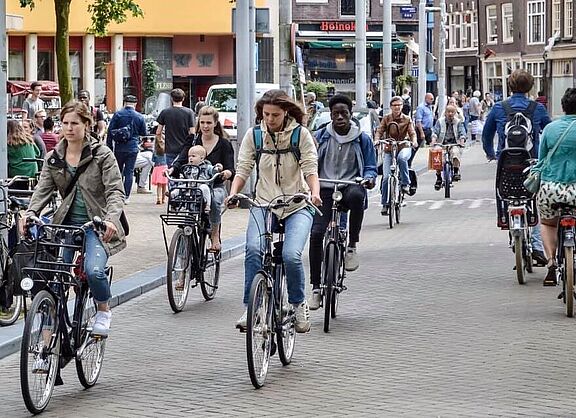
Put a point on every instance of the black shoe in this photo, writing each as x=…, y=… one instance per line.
x=438, y=184
x=385, y=210
x=539, y=258
x=457, y=176
x=550, y=279
x=405, y=189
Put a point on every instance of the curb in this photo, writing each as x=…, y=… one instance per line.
x=122, y=291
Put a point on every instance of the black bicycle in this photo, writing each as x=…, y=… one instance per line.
x=565, y=253
x=52, y=337
x=447, y=167
x=190, y=260
x=270, y=315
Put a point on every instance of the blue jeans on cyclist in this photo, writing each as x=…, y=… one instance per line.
x=95, y=260
x=402, y=159
x=297, y=229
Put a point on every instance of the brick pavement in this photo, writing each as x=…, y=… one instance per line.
x=433, y=324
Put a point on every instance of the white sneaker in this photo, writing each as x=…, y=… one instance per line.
x=315, y=300
x=41, y=365
x=302, y=323
x=102, y=323
x=241, y=323
x=351, y=259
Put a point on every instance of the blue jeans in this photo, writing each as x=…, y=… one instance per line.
x=537, y=239
x=402, y=159
x=297, y=229
x=126, y=162
x=95, y=260
x=170, y=159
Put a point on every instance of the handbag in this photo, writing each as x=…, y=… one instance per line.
x=533, y=181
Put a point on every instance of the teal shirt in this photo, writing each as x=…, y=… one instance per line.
x=78, y=213
x=562, y=165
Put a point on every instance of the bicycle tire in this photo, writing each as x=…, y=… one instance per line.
x=398, y=206
x=391, y=200
x=211, y=273
x=89, y=360
x=286, y=330
x=41, y=319
x=569, y=280
x=258, y=330
x=518, y=251
x=447, y=171
x=177, y=270
x=10, y=315
x=529, y=262
x=329, y=282
x=340, y=268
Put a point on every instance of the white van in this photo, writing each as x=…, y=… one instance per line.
x=223, y=98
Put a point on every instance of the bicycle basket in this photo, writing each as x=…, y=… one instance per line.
x=23, y=256
x=186, y=200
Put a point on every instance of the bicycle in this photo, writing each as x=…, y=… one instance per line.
x=395, y=193
x=334, y=263
x=190, y=261
x=565, y=253
x=521, y=235
x=51, y=337
x=447, y=167
x=270, y=315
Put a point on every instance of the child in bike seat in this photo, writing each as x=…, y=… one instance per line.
x=449, y=130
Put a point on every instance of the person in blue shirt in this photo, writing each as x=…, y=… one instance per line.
x=124, y=132
x=520, y=83
x=424, y=121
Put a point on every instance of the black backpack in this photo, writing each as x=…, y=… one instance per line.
x=518, y=128
x=406, y=108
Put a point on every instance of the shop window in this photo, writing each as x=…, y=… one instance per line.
x=100, y=60
x=348, y=8
x=130, y=59
x=45, y=65
x=16, y=65
x=76, y=71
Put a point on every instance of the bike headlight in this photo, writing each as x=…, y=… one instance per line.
x=187, y=230
x=337, y=196
x=27, y=284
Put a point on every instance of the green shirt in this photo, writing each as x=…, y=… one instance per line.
x=562, y=165
x=78, y=214
x=16, y=167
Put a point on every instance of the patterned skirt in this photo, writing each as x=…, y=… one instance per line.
x=551, y=192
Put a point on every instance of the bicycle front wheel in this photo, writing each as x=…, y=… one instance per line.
x=178, y=273
x=569, y=280
x=286, y=331
x=258, y=331
x=447, y=173
x=10, y=315
x=398, y=206
x=391, y=200
x=39, y=353
x=330, y=276
x=89, y=348
x=211, y=273
x=518, y=253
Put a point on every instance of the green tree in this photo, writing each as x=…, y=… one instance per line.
x=103, y=13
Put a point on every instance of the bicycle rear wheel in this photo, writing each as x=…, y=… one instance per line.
x=518, y=251
x=398, y=207
x=10, y=315
x=330, y=276
x=178, y=273
x=89, y=349
x=391, y=200
x=447, y=174
x=569, y=280
x=285, y=331
x=259, y=331
x=211, y=273
x=39, y=353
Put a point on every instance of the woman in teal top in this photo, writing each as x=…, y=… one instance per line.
x=20, y=145
x=558, y=176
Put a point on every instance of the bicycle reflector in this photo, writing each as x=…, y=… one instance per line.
x=568, y=222
x=517, y=211
x=27, y=284
x=337, y=196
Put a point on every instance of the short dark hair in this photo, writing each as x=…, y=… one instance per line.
x=48, y=124
x=340, y=98
x=396, y=99
x=177, y=95
x=569, y=101
x=83, y=93
x=34, y=85
x=520, y=81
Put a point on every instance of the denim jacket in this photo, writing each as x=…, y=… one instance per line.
x=122, y=118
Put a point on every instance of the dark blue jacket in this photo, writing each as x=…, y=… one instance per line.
x=123, y=117
x=497, y=119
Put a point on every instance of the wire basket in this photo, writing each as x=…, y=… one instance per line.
x=185, y=205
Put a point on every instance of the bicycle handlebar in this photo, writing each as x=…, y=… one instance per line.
x=447, y=145
x=279, y=203
x=357, y=180
x=392, y=141
x=10, y=182
x=209, y=181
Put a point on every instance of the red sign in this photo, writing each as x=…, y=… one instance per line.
x=338, y=26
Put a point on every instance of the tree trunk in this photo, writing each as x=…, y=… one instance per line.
x=62, y=8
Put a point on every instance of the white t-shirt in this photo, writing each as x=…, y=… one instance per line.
x=32, y=106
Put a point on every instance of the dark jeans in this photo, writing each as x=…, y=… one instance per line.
x=126, y=162
x=353, y=198
x=427, y=138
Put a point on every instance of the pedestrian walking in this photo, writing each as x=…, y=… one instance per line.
x=33, y=103
x=99, y=127
x=158, y=178
x=424, y=120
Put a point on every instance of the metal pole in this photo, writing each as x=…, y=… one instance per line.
x=422, y=41
x=442, y=61
x=285, y=29
x=252, y=61
x=387, y=55
x=242, y=68
x=360, y=63
x=3, y=97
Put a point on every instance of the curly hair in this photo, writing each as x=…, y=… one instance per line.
x=16, y=134
x=74, y=106
x=211, y=111
x=569, y=101
x=520, y=81
x=340, y=98
x=279, y=98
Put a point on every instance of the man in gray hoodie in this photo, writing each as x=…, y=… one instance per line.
x=344, y=153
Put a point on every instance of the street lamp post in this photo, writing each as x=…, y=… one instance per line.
x=422, y=41
x=360, y=63
x=386, y=55
x=3, y=98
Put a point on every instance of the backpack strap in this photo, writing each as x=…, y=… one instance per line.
x=529, y=111
x=295, y=142
x=508, y=109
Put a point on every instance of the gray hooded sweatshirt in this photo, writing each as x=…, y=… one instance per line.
x=340, y=161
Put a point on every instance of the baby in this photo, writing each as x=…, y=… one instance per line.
x=200, y=169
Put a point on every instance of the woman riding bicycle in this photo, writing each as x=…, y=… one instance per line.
x=97, y=191
x=558, y=177
x=219, y=151
x=279, y=173
x=405, y=131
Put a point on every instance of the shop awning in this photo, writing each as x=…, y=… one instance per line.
x=350, y=44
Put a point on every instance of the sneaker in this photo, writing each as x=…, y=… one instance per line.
x=41, y=365
x=127, y=201
x=457, y=176
x=405, y=189
x=143, y=190
x=550, y=279
x=315, y=300
x=241, y=323
x=438, y=184
x=538, y=258
x=351, y=259
x=102, y=323
x=385, y=210
x=302, y=323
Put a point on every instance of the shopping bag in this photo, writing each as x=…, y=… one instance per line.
x=435, y=159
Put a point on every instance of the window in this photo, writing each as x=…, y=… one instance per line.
x=556, y=16
x=491, y=24
x=536, y=22
x=474, y=26
x=493, y=71
x=568, y=23
x=75, y=71
x=16, y=65
x=562, y=68
x=348, y=8
x=456, y=38
x=507, y=23
x=100, y=60
x=45, y=65
x=536, y=69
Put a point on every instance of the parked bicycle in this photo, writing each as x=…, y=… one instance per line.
x=190, y=261
x=565, y=253
x=270, y=315
x=447, y=167
x=52, y=337
x=395, y=193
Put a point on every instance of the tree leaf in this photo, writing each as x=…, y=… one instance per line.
x=105, y=12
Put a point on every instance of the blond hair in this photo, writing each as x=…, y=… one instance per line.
x=17, y=135
x=199, y=149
